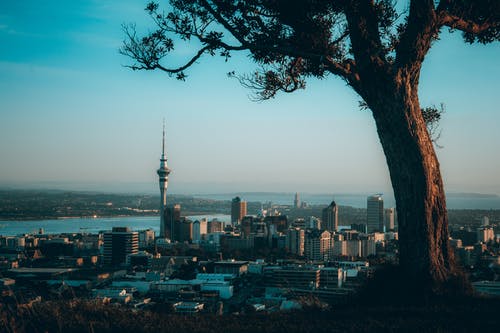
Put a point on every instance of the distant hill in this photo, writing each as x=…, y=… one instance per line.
x=471, y=195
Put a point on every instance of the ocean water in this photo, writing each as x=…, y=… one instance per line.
x=94, y=225
x=91, y=225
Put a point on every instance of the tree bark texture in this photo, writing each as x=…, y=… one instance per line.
x=391, y=92
x=425, y=253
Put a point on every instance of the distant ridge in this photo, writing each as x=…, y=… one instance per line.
x=472, y=195
x=455, y=200
x=253, y=193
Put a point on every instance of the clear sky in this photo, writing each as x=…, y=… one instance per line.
x=70, y=113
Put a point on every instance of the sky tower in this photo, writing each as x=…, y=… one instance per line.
x=163, y=173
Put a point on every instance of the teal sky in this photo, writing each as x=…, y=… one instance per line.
x=70, y=113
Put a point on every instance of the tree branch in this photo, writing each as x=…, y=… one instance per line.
x=151, y=66
x=420, y=30
x=334, y=67
x=342, y=37
x=365, y=37
x=478, y=20
x=185, y=66
x=455, y=22
x=148, y=56
x=223, y=21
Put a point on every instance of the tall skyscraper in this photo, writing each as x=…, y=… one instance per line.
x=374, y=213
x=295, y=241
x=119, y=243
x=238, y=210
x=390, y=215
x=163, y=173
x=185, y=231
x=246, y=224
x=331, y=217
x=296, y=200
x=199, y=229
x=172, y=218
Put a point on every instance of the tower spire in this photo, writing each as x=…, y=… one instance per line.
x=163, y=142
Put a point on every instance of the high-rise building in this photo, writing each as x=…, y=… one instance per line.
x=199, y=229
x=368, y=246
x=163, y=173
x=353, y=248
x=296, y=201
x=171, y=221
x=390, y=214
x=146, y=238
x=185, y=231
x=280, y=222
x=338, y=246
x=215, y=226
x=238, y=210
x=246, y=226
x=317, y=244
x=313, y=223
x=331, y=217
x=485, y=234
x=295, y=241
x=243, y=209
x=172, y=216
x=119, y=243
x=374, y=213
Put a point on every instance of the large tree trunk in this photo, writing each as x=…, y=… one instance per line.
x=391, y=92
x=425, y=255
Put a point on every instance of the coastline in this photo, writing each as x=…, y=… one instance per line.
x=91, y=217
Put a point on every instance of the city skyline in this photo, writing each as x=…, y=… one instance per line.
x=71, y=110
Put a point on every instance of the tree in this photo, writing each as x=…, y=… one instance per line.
x=376, y=48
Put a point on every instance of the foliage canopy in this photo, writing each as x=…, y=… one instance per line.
x=291, y=40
